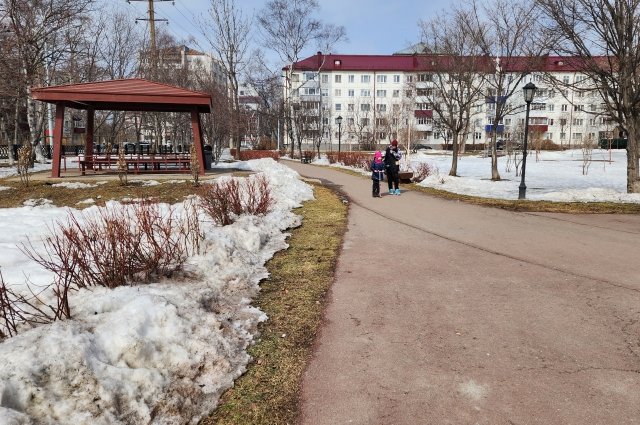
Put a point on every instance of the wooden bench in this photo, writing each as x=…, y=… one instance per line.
x=167, y=163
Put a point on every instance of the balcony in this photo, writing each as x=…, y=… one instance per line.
x=489, y=128
x=423, y=113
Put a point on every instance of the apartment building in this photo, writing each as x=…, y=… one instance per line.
x=381, y=97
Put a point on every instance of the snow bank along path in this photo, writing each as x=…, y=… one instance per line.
x=159, y=353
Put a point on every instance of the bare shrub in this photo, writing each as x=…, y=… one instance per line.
x=421, y=171
x=221, y=200
x=351, y=159
x=257, y=154
x=17, y=309
x=226, y=200
x=587, y=154
x=258, y=196
x=24, y=162
x=116, y=247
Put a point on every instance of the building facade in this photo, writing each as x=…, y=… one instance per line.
x=384, y=97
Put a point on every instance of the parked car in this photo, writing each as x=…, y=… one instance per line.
x=420, y=146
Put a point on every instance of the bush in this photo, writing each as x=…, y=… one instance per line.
x=546, y=145
x=225, y=201
x=117, y=247
x=257, y=154
x=421, y=171
x=351, y=159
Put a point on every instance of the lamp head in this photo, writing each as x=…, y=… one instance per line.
x=529, y=90
x=339, y=120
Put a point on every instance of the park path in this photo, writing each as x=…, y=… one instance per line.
x=448, y=313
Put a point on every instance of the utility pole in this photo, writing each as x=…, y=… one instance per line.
x=152, y=30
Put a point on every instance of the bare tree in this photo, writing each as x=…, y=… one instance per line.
x=227, y=32
x=506, y=33
x=457, y=86
x=604, y=38
x=288, y=27
x=38, y=28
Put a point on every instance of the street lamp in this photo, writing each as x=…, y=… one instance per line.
x=339, y=122
x=529, y=89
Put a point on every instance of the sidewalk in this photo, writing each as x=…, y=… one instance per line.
x=448, y=313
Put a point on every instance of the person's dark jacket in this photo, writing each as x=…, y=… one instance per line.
x=377, y=170
x=392, y=159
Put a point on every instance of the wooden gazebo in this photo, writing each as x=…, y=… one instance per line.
x=121, y=95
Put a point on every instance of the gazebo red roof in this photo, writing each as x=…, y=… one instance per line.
x=134, y=94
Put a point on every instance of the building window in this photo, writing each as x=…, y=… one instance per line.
x=382, y=135
x=408, y=78
x=365, y=107
x=325, y=78
x=352, y=93
x=566, y=79
x=350, y=121
x=577, y=136
x=550, y=107
x=364, y=121
x=563, y=136
x=381, y=78
x=325, y=92
x=396, y=78
x=577, y=108
x=338, y=106
x=578, y=121
x=337, y=78
x=350, y=107
x=338, y=92
x=351, y=78
x=396, y=93
x=548, y=136
x=310, y=91
x=365, y=93
x=408, y=93
x=422, y=120
x=295, y=78
x=381, y=93
x=365, y=78
x=381, y=107
x=563, y=108
x=425, y=77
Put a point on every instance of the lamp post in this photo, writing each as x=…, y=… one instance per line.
x=529, y=89
x=339, y=122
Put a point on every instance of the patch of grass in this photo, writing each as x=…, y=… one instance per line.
x=536, y=206
x=112, y=190
x=293, y=298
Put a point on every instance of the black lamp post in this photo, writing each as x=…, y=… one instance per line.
x=529, y=90
x=339, y=122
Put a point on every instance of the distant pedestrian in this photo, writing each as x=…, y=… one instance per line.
x=377, y=173
x=392, y=167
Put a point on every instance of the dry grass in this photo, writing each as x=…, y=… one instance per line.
x=536, y=206
x=113, y=190
x=293, y=298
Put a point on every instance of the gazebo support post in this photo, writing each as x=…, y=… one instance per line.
x=197, y=138
x=57, y=140
x=88, y=141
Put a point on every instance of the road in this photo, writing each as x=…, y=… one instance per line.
x=448, y=313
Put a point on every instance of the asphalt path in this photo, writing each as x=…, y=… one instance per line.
x=448, y=313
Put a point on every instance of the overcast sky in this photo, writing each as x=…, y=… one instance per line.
x=373, y=26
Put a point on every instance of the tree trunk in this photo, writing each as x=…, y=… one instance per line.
x=454, y=159
x=633, y=175
x=495, y=175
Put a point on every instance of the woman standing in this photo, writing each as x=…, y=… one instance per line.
x=392, y=167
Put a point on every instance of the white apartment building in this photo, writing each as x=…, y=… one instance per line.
x=379, y=96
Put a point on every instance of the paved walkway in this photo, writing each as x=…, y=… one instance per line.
x=449, y=313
